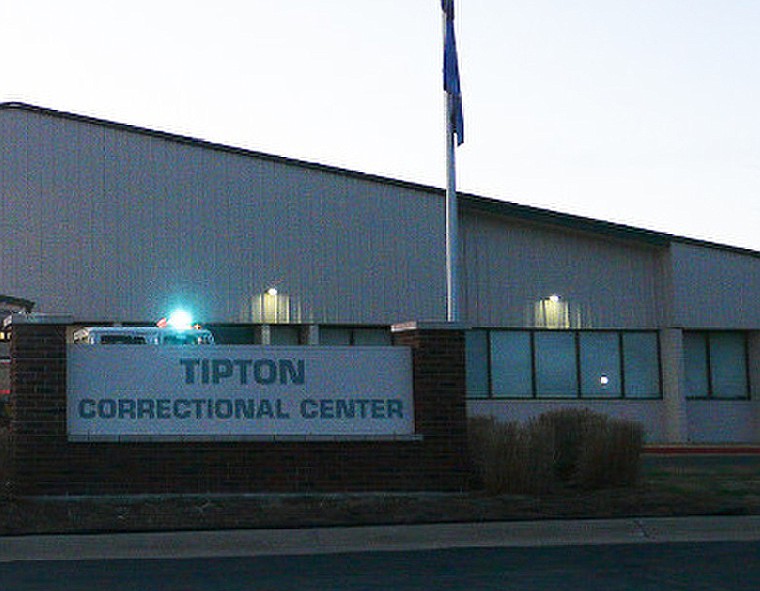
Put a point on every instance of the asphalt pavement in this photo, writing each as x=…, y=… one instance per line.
x=336, y=540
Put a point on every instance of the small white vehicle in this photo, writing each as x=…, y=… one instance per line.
x=143, y=335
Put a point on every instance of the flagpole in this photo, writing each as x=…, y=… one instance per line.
x=452, y=221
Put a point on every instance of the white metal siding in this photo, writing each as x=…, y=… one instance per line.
x=722, y=421
x=509, y=266
x=106, y=223
x=714, y=288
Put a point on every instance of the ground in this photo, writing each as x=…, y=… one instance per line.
x=668, y=486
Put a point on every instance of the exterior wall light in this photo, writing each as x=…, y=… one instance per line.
x=551, y=312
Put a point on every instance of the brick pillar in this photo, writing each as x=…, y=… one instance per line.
x=38, y=400
x=438, y=365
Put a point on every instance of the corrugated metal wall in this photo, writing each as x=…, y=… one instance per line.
x=109, y=224
x=714, y=288
x=511, y=269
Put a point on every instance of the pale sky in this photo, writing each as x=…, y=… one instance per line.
x=643, y=112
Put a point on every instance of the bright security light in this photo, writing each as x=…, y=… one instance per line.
x=180, y=319
x=554, y=298
x=272, y=291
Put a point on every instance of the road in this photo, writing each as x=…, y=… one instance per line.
x=643, y=554
x=733, y=566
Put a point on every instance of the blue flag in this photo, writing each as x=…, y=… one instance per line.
x=451, y=71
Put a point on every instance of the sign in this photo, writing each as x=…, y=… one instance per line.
x=119, y=392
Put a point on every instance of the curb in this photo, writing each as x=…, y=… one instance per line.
x=702, y=450
x=340, y=540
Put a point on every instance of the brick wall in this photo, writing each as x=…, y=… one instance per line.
x=45, y=462
x=438, y=362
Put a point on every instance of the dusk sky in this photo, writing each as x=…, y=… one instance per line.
x=643, y=112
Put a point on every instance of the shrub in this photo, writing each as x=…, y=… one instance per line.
x=611, y=455
x=559, y=448
x=508, y=457
x=568, y=429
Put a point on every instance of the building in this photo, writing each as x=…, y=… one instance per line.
x=109, y=222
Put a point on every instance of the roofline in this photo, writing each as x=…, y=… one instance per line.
x=569, y=221
x=200, y=143
x=468, y=201
x=591, y=225
x=27, y=305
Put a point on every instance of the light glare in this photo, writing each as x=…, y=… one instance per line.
x=180, y=319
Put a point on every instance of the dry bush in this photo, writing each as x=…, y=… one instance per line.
x=568, y=429
x=491, y=445
x=611, y=455
x=509, y=457
x=559, y=448
x=593, y=451
x=539, y=455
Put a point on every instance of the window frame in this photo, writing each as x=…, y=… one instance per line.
x=535, y=395
x=707, y=334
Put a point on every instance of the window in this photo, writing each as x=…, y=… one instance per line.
x=359, y=336
x=511, y=364
x=476, y=352
x=563, y=364
x=716, y=365
x=556, y=365
x=190, y=338
x=600, y=364
x=122, y=339
x=641, y=366
x=728, y=365
x=334, y=336
x=371, y=336
x=284, y=334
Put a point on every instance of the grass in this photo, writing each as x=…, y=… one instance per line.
x=724, y=480
x=710, y=490
x=666, y=486
x=726, y=489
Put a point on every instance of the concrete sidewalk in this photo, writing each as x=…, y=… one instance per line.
x=238, y=543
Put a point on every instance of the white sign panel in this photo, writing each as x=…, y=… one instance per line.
x=236, y=392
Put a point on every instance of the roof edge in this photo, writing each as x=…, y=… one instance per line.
x=201, y=143
x=468, y=201
x=16, y=302
x=580, y=223
x=569, y=221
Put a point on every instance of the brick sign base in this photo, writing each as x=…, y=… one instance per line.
x=45, y=462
